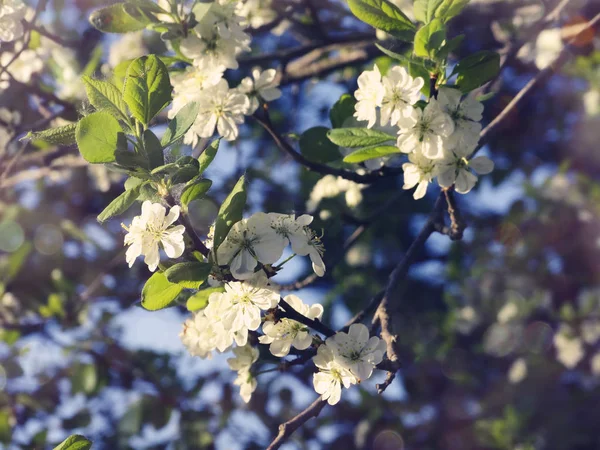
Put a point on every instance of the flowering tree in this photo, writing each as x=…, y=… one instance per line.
x=188, y=84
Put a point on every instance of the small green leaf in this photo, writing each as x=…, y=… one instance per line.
x=450, y=46
x=315, y=145
x=410, y=59
x=230, y=212
x=476, y=70
x=159, y=293
x=429, y=39
x=190, y=275
x=385, y=16
x=358, y=137
x=364, y=154
x=165, y=169
x=98, y=136
x=450, y=8
x=425, y=9
x=194, y=190
x=180, y=124
x=342, y=110
x=153, y=150
x=147, y=88
x=200, y=299
x=75, y=442
x=114, y=19
x=56, y=136
x=105, y=96
x=208, y=155
x=120, y=204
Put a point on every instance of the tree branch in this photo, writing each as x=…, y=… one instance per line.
x=290, y=313
x=287, y=428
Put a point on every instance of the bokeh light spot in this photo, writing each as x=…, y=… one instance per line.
x=48, y=239
x=11, y=236
x=3, y=378
x=388, y=440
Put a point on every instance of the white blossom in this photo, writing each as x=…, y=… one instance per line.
x=11, y=14
x=256, y=13
x=595, y=364
x=547, y=48
x=517, y=371
x=419, y=171
x=590, y=331
x=198, y=335
x=151, y=228
x=261, y=86
x=466, y=115
x=369, y=96
x=218, y=308
x=221, y=108
x=247, y=303
x=569, y=348
x=285, y=333
x=330, y=186
x=356, y=351
x=250, y=241
x=27, y=63
x=331, y=376
x=426, y=131
x=242, y=362
x=456, y=170
x=128, y=46
x=508, y=312
x=401, y=92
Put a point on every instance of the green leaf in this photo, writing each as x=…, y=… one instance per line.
x=194, y=190
x=405, y=59
x=208, y=155
x=450, y=8
x=200, y=299
x=184, y=174
x=98, y=136
x=476, y=70
x=450, y=46
x=159, y=293
x=120, y=204
x=105, y=96
x=230, y=212
x=358, y=137
x=147, y=88
x=165, y=169
x=385, y=16
x=75, y=442
x=153, y=150
x=429, y=39
x=190, y=275
x=180, y=124
x=56, y=136
x=114, y=19
x=342, y=110
x=425, y=9
x=364, y=154
x=315, y=145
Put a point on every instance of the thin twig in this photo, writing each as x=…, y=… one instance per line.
x=290, y=313
x=287, y=428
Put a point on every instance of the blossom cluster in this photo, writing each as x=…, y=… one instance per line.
x=439, y=136
x=212, y=46
x=11, y=14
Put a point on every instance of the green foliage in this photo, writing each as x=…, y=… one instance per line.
x=147, y=88
x=120, y=204
x=429, y=39
x=315, y=146
x=189, y=274
x=230, y=212
x=342, y=110
x=159, y=293
x=194, y=190
x=75, y=442
x=425, y=9
x=385, y=16
x=64, y=135
x=450, y=46
x=208, y=155
x=180, y=124
x=200, y=299
x=152, y=149
x=450, y=8
x=367, y=153
x=98, y=136
x=477, y=69
x=115, y=19
x=358, y=137
x=105, y=96
x=84, y=379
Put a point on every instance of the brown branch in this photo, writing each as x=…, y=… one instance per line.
x=290, y=313
x=457, y=226
x=287, y=428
